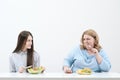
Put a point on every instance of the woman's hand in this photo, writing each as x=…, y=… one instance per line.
x=95, y=51
x=42, y=69
x=21, y=69
x=67, y=69
x=97, y=55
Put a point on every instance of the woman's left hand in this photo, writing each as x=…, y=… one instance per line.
x=97, y=55
x=95, y=51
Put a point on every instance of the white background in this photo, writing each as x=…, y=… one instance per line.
x=57, y=26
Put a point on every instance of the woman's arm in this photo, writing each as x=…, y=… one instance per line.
x=36, y=60
x=105, y=64
x=69, y=60
x=11, y=63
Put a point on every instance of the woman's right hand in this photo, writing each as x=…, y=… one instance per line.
x=67, y=69
x=21, y=69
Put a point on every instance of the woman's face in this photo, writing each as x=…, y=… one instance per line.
x=28, y=43
x=88, y=41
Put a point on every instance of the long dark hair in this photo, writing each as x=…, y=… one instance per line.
x=22, y=38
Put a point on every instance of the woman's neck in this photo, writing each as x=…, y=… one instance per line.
x=90, y=51
x=24, y=50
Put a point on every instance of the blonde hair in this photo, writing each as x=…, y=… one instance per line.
x=93, y=34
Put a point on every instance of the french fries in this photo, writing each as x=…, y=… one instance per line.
x=36, y=70
x=84, y=71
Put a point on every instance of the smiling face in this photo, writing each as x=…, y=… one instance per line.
x=28, y=43
x=88, y=41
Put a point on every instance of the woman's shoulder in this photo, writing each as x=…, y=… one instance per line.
x=76, y=49
x=102, y=52
x=12, y=54
x=77, y=46
x=36, y=53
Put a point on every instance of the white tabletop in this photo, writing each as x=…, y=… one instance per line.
x=60, y=76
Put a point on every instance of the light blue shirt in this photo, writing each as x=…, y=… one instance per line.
x=79, y=59
x=20, y=60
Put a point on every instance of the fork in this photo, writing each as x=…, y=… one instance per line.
x=28, y=67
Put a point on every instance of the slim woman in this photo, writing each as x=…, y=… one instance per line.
x=24, y=54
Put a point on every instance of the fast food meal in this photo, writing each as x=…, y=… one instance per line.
x=36, y=70
x=84, y=71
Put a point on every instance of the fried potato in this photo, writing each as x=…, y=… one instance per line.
x=36, y=70
x=84, y=71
